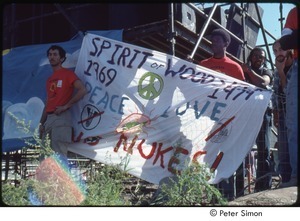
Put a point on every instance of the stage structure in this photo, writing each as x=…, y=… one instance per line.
x=172, y=28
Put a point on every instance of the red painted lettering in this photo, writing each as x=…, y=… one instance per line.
x=123, y=139
x=78, y=138
x=160, y=154
x=220, y=128
x=216, y=162
x=132, y=144
x=198, y=154
x=140, y=149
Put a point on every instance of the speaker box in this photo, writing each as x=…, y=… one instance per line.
x=185, y=15
x=219, y=16
x=234, y=25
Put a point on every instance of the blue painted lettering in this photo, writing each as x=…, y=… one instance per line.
x=94, y=93
x=112, y=61
x=122, y=105
x=104, y=100
x=122, y=56
x=183, y=111
x=216, y=110
x=197, y=115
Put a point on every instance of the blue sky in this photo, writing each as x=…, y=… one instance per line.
x=270, y=18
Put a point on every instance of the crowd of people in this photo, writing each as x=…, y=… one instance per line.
x=282, y=109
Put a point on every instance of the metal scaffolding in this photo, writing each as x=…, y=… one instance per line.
x=31, y=23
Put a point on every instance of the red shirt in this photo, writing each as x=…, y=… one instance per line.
x=224, y=65
x=292, y=19
x=292, y=23
x=59, y=88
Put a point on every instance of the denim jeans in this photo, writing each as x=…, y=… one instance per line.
x=227, y=188
x=263, y=154
x=292, y=115
x=284, y=168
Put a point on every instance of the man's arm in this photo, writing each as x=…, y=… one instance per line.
x=80, y=92
x=257, y=80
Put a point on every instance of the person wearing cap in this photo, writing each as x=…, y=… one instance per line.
x=219, y=62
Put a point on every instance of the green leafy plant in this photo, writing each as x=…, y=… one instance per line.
x=15, y=195
x=105, y=188
x=189, y=188
x=42, y=146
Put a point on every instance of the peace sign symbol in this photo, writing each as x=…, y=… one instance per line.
x=150, y=91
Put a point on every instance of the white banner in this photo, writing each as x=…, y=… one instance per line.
x=155, y=113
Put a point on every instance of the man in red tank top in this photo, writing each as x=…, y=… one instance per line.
x=56, y=119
